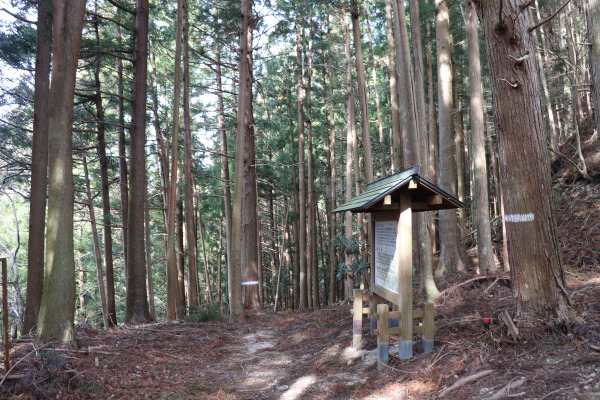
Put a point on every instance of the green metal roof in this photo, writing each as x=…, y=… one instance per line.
x=376, y=191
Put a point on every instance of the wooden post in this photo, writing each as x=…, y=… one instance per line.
x=428, y=327
x=357, y=318
x=374, y=298
x=383, y=335
x=373, y=304
x=5, y=316
x=404, y=246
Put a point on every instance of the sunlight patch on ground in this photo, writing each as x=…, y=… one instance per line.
x=298, y=387
x=398, y=391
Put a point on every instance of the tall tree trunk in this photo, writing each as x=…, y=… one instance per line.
x=81, y=281
x=396, y=128
x=331, y=161
x=244, y=247
x=39, y=166
x=136, y=308
x=351, y=135
x=541, y=40
x=485, y=250
x=576, y=105
x=180, y=238
x=422, y=151
x=57, y=309
x=224, y=163
x=296, y=226
x=219, y=261
x=376, y=93
x=301, y=176
x=459, y=148
x=209, y=293
x=431, y=120
x=175, y=306
x=149, y=253
x=362, y=94
x=106, y=213
x=537, y=276
x=96, y=241
x=122, y=158
x=312, y=260
x=450, y=258
x=190, y=223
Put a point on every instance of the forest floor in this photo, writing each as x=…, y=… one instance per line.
x=308, y=355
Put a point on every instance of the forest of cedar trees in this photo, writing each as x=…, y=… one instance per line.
x=174, y=166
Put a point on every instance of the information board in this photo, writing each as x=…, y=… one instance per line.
x=386, y=256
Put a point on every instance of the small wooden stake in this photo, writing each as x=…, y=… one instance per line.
x=357, y=318
x=383, y=335
x=428, y=327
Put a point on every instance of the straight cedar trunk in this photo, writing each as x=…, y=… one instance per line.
x=219, y=261
x=593, y=21
x=224, y=161
x=450, y=258
x=122, y=158
x=149, y=253
x=39, y=167
x=82, y=310
x=180, y=249
x=163, y=156
x=394, y=101
x=207, y=281
x=576, y=104
x=537, y=275
x=350, y=145
x=312, y=259
x=431, y=120
x=424, y=220
x=190, y=223
x=244, y=247
x=459, y=148
x=96, y=241
x=303, y=279
x=331, y=161
x=377, y=102
x=485, y=250
x=362, y=94
x=296, y=225
x=111, y=320
x=175, y=303
x=136, y=307
x=541, y=41
x=57, y=309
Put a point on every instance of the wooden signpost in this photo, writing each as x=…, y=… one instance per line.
x=391, y=202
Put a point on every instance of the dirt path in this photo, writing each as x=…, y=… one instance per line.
x=308, y=355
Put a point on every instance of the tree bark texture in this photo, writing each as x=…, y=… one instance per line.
x=538, y=282
x=136, y=308
x=111, y=321
x=190, y=223
x=301, y=175
x=485, y=250
x=450, y=259
x=351, y=135
x=57, y=310
x=39, y=166
x=175, y=305
x=396, y=128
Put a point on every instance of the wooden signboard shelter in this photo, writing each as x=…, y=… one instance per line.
x=391, y=202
